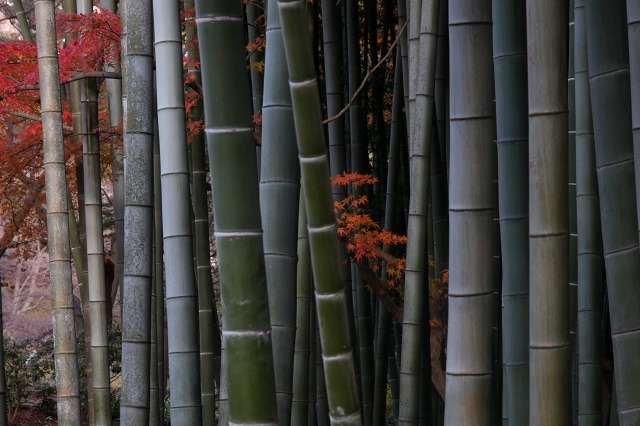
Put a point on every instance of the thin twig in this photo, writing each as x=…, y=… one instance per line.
x=366, y=77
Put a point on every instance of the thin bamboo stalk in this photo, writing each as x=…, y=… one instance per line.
x=68, y=398
x=330, y=298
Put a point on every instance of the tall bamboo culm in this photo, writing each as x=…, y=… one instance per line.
x=181, y=292
x=279, y=207
x=609, y=82
x=510, y=64
x=590, y=261
x=246, y=330
x=331, y=304
x=469, y=370
x=420, y=134
x=549, y=346
x=138, y=213
x=66, y=362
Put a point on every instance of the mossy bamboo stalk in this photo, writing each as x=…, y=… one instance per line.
x=232, y=157
x=633, y=31
x=510, y=64
x=609, y=82
x=66, y=362
x=330, y=294
x=549, y=344
x=138, y=212
x=590, y=261
x=470, y=375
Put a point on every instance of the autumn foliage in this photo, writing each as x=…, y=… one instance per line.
x=363, y=237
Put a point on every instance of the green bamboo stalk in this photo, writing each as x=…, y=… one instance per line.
x=210, y=341
x=246, y=333
x=66, y=362
x=549, y=344
x=422, y=114
x=471, y=284
x=301, y=361
x=590, y=261
x=609, y=83
x=331, y=305
x=181, y=291
x=332, y=45
x=279, y=206
x=510, y=64
x=138, y=213
x=23, y=24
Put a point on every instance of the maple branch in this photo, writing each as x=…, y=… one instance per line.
x=367, y=76
x=35, y=118
x=91, y=74
x=383, y=294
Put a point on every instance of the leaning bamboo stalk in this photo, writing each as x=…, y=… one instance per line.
x=330, y=294
x=66, y=362
x=609, y=82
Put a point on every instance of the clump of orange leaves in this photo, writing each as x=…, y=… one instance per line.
x=364, y=239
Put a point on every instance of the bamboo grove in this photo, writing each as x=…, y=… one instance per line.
x=419, y=212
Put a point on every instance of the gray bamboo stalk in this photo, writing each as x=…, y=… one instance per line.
x=210, y=341
x=549, y=344
x=181, y=291
x=156, y=407
x=383, y=339
x=471, y=285
x=4, y=420
x=66, y=362
x=101, y=384
x=422, y=114
x=279, y=206
x=232, y=157
x=301, y=361
x=254, y=10
x=609, y=82
x=573, y=225
x=114, y=99
x=331, y=304
x=23, y=24
x=590, y=261
x=633, y=23
x=138, y=213
x=365, y=367
x=510, y=64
